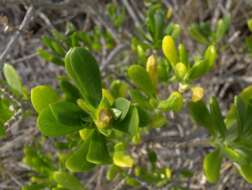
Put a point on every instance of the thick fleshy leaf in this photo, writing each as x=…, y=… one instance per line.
x=70, y=91
x=163, y=69
x=180, y=71
x=245, y=95
x=12, y=78
x=174, y=102
x=246, y=172
x=158, y=120
x=42, y=96
x=169, y=49
x=183, y=55
x=151, y=68
x=217, y=118
x=236, y=155
x=50, y=124
x=210, y=55
x=98, y=152
x=112, y=172
x=5, y=115
x=118, y=88
x=222, y=28
x=199, y=68
x=212, y=166
x=123, y=105
x=77, y=161
x=50, y=57
x=141, y=79
x=67, y=180
x=200, y=114
x=131, y=122
x=241, y=113
x=67, y=113
x=81, y=66
x=140, y=99
x=249, y=23
x=120, y=158
x=196, y=33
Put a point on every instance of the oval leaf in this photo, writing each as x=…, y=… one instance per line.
x=98, y=152
x=68, y=181
x=42, y=96
x=81, y=66
x=77, y=161
x=141, y=79
x=50, y=125
x=212, y=165
x=12, y=78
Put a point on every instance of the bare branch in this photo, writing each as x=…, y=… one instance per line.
x=11, y=43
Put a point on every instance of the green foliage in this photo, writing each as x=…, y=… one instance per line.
x=203, y=34
x=13, y=79
x=212, y=166
x=81, y=66
x=98, y=121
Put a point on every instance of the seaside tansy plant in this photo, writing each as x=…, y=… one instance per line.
x=107, y=120
x=92, y=124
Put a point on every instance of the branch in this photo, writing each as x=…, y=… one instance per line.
x=16, y=35
x=112, y=54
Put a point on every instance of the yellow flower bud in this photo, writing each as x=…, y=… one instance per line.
x=169, y=49
x=104, y=117
x=151, y=68
x=197, y=93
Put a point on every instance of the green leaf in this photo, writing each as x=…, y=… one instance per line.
x=70, y=91
x=77, y=161
x=141, y=79
x=98, y=152
x=5, y=115
x=245, y=95
x=197, y=34
x=249, y=23
x=67, y=113
x=210, y=55
x=222, y=27
x=49, y=124
x=163, y=69
x=180, y=71
x=81, y=66
x=246, y=172
x=50, y=57
x=120, y=158
x=199, y=68
x=200, y=114
x=217, y=118
x=158, y=120
x=123, y=105
x=131, y=122
x=212, y=166
x=12, y=78
x=140, y=99
x=241, y=113
x=118, y=88
x=67, y=180
x=183, y=55
x=112, y=172
x=42, y=96
x=174, y=102
x=236, y=155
